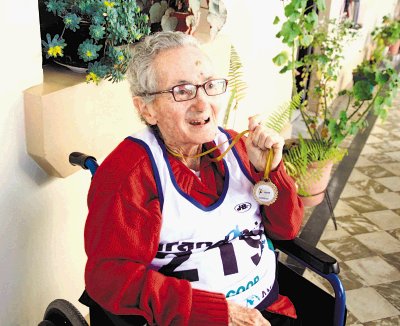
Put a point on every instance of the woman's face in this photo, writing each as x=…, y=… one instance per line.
x=187, y=124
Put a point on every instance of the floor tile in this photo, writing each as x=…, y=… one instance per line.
x=374, y=270
x=331, y=233
x=369, y=149
x=386, y=219
x=379, y=158
x=364, y=204
x=322, y=247
x=393, y=259
x=372, y=139
x=367, y=305
x=351, y=320
x=357, y=175
x=397, y=142
x=352, y=191
x=391, y=292
x=349, y=279
x=356, y=224
x=388, y=137
x=347, y=248
x=385, y=147
x=388, y=199
x=342, y=208
x=392, y=183
x=375, y=171
x=392, y=167
x=378, y=131
x=395, y=233
x=394, y=155
x=367, y=242
x=369, y=186
x=380, y=242
x=363, y=161
x=390, y=321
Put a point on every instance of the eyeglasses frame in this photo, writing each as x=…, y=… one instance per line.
x=197, y=88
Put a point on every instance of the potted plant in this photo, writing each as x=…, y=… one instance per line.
x=327, y=124
x=386, y=35
x=102, y=32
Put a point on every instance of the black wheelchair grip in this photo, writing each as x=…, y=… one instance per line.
x=77, y=158
x=300, y=249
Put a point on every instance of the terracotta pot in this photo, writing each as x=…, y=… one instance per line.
x=317, y=186
x=394, y=48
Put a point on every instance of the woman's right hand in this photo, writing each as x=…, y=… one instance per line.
x=242, y=316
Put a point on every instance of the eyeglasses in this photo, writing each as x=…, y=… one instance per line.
x=186, y=92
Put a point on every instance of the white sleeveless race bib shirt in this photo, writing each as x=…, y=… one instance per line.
x=220, y=248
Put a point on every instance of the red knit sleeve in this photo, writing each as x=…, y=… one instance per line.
x=121, y=239
x=283, y=218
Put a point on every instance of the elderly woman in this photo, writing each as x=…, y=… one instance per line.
x=174, y=233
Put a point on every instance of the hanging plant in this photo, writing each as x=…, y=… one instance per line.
x=104, y=30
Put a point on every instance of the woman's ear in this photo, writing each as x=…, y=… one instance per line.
x=145, y=110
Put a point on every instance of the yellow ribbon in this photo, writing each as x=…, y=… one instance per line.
x=220, y=157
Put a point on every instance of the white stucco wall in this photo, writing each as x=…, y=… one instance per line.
x=42, y=218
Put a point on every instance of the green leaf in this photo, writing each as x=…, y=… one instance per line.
x=362, y=90
x=343, y=116
x=382, y=77
x=276, y=20
x=289, y=32
x=311, y=21
x=281, y=58
x=284, y=69
x=289, y=10
x=306, y=40
x=320, y=4
x=353, y=128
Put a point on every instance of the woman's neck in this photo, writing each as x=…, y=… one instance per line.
x=187, y=155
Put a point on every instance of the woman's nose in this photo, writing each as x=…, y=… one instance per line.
x=201, y=99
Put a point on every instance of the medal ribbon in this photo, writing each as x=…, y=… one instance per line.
x=220, y=157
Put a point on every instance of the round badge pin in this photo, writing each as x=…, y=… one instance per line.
x=265, y=192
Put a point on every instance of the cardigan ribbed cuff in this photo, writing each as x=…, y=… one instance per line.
x=208, y=308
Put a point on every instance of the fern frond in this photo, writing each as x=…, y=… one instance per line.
x=298, y=156
x=236, y=85
x=284, y=113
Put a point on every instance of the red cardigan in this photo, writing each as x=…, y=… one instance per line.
x=122, y=235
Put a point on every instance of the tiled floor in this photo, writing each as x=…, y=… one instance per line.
x=367, y=242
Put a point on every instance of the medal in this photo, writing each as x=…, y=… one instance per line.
x=265, y=192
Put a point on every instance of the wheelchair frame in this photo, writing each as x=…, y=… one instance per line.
x=299, y=250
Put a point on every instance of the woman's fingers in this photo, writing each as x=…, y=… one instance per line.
x=242, y=316
x=265, y=138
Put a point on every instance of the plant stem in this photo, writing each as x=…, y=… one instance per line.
x=368, y=107
x=356, y=110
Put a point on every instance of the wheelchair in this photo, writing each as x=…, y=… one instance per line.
x=314, y=306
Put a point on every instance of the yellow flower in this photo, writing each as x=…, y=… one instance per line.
x=91, y=76
x=89, y=54
x=109, y=4
x=54, y=51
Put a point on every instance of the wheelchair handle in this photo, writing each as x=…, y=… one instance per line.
x=317, y=259
x=80, y=159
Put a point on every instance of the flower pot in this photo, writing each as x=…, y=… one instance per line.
x=319, y=177
x=394, y=48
